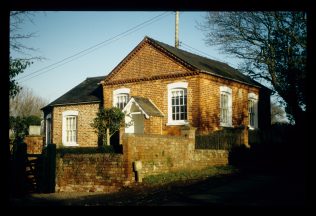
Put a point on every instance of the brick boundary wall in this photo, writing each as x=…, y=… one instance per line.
x=34, y=144
x=99, y=172
x=103, y=172
x=161, y=154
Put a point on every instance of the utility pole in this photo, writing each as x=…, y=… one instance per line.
x=177, y=30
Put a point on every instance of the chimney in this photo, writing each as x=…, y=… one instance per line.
x=177, y=30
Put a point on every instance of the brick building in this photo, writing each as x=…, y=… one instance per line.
x=160, y=89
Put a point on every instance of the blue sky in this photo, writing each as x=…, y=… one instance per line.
x=64, y=34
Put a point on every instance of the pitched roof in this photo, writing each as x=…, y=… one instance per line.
x=147, y=107
x=196, y=63
x=206, y=65
x=86, y=92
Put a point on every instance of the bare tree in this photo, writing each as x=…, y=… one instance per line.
x=272, y=47
x=26, y=103
x=17, y=47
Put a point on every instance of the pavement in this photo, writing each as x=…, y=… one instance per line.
x=251, y=190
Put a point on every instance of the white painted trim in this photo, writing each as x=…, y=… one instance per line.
x=48, y=129
x=126, y=109
x=252, y=95
x=178, y=122
x=170, y=87
x=228, y=91
x=177, y=85
x=119, y=91
x=156, y=107
x=255, y=98
x=70, y=112
x=225, y=89
x=64, y=138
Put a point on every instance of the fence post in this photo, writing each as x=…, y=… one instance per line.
x=51, y=167
x=19, y=168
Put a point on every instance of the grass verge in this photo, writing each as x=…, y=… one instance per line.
x=186, y=176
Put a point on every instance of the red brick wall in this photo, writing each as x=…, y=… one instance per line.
x=161, y=154
x=210, y=102
x=153, y=125
x=109, y=172
x=86, y=135
x=157, y=91
x=89, y=173
x=203, y=101
x=147, y=62
x=203, y=90
x=34, y=144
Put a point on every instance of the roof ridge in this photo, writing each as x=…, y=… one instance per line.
x=96, y=77
x=182, y=50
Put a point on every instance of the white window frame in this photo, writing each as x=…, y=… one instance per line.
x=227, y=91
x=64, y=134
x=254, y=97
x=48, y=129
x=117, y=92
x=170, y=87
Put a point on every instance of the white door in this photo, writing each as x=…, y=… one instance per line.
x=134, y=123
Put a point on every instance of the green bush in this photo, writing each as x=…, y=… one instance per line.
x=33, y=120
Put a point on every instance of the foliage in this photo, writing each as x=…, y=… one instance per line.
x=187, y=175
x=16, y=67
x=33, y=120
x=272, y=46
x=19, y=64
x=19, y=126
x=108, y=118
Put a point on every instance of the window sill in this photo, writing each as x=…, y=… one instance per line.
x=177, y=123
x=252, y=128
x=226, y=125
x=71, y=144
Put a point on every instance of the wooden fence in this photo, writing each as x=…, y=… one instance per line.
x=221, y=139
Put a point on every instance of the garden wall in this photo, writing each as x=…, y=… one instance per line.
x=98, y=172
x=34, y=144
x=108, y=172
x=161, y=154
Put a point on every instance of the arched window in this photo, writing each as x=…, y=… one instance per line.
x=121, y=97
x=177, y=103
x=253, y=110
x=225, y=106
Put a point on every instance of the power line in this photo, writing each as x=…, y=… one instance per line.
x=206, y=54
x=95, y=47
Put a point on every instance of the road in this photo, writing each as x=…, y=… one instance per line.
x=241, y=190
